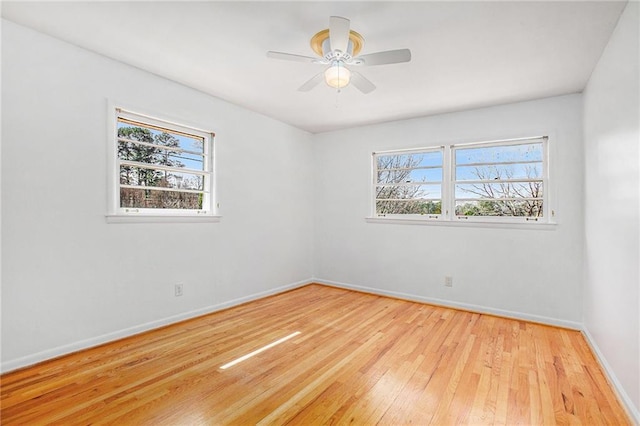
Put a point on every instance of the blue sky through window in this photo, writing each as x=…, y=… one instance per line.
x=510, y=162
x=500, y=154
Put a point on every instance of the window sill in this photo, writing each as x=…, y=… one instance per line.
x=465, y=224
x=161, y=219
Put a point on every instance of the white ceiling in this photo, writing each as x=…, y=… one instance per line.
x=465, y=54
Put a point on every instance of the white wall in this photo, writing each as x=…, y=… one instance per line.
x=533, y=274
x=612, y=256
x=69, y=279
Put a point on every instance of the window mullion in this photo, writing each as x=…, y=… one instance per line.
x=447, y=174
x=163, y=168
x=547, y=194
x=163, y=188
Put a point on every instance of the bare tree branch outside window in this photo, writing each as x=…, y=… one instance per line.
x=403, y=186
x=508, y=183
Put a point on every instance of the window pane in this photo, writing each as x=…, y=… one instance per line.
x=409, y=161
x=140, y=176
x=500, y=154
x=500, y=190
x=528, y=208
x=408, y=207
x=159, y=136
x=152, y=155
x=157, y=155
x=402, y=192
x=154, y=199
x=500, y=171
x=406, y=176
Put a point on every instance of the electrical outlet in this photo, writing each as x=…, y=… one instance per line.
x=448, y=281
x=178, y=290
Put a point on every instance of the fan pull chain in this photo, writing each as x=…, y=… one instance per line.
x=338, y=91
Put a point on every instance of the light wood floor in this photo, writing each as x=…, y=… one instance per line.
x=359, y=359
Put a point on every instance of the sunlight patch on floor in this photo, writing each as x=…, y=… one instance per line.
x=257, y=351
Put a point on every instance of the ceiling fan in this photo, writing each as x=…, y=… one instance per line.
x=338, y=46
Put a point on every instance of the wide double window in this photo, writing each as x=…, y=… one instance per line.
x=505, y=181
x=161, y=168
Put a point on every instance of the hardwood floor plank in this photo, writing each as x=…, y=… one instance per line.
x=359, y=358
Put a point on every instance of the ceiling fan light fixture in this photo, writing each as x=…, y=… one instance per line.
x=337, y=76
x=338, y=46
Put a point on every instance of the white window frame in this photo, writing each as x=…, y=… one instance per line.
x=118, y=214
x=428, y=216
x=515, y=219
x=448, y=216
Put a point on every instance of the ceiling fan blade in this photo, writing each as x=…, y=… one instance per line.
x=339, y=33
x=290, y=57
x=311, y=83
x=362, y=83
x=386, y=57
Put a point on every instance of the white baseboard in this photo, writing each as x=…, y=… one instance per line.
x=28, y=360
x=457, y=305
x=632, y=410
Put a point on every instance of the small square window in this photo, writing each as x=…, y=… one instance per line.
x=160, y=168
